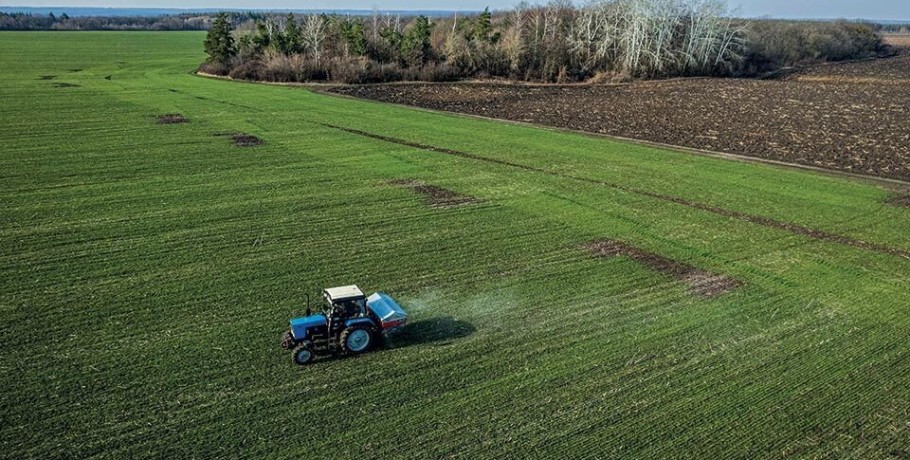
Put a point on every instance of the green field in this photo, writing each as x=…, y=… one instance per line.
x=148, y=271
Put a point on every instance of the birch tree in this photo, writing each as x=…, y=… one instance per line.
x=313, y=34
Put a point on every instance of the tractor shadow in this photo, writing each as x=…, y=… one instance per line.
x=441, y=330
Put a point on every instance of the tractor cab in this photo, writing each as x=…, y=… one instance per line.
x=345, y=302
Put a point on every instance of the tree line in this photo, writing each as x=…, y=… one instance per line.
x=604, y=40
x=189, y=21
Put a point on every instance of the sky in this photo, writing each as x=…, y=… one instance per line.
x=853, y=9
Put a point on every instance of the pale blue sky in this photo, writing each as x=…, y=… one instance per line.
x=871, y=9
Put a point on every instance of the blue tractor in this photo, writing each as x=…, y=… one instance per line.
x=350, y=323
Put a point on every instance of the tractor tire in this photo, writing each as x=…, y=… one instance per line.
x=303, y=353
x=358, y=339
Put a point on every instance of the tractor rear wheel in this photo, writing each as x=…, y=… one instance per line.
x=303, y=353
x=358, y=339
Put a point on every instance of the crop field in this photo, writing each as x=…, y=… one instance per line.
x=569, y=296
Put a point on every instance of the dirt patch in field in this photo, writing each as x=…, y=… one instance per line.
x=852, y=117
x=434, y=196
x=246, y=140
x=66, y=85
x=172, y=119
x=240, y=139
x=47, y=77
x=709, y=285
x=900, y=200
x=701, y=283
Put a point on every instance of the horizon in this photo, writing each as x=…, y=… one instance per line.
x=881, y=10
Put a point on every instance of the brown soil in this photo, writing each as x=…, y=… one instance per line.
x=246, y=140
x=700, y=282
x=758, y=220
x=65, y=85
x=172, y=119
x=436, y=197
x=47, y=77
x=852, y=117
x=708, y=285
x=900, y=200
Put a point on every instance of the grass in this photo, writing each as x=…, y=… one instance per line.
x=149, y=269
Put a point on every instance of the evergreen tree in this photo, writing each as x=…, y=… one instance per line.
x=292, y=41
x=391, y=37
x=481, y=29
x=415, y=45
x=483, y=26
x=356, y=41
x=263, y=37
x=219, y=43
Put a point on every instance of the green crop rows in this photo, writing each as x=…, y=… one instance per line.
x=148, y=271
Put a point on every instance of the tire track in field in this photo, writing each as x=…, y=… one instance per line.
x=820, y=235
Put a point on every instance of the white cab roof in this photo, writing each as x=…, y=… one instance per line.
x=343, y=292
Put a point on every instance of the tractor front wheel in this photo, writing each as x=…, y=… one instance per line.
x=358, y=339
x=303, y=353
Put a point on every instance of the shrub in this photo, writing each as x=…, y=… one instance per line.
x=361, y=70
x=292, y=69
x=309, y=70
x=279, y=69
x=776, y=44
x=247, y=70
x=438, y=73
x=215, y=68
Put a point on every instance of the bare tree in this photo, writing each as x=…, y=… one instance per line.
x=313, y=34
x=514, y=40
x=648, y=37
x=374, y=29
